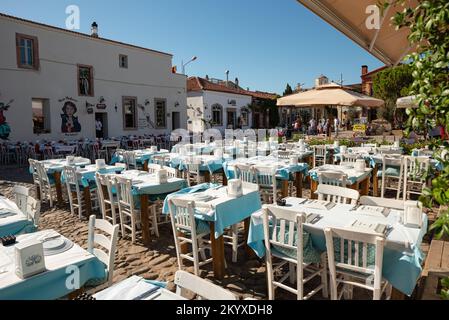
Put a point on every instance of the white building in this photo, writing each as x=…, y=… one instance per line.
x=51, y=72
x=216, y=105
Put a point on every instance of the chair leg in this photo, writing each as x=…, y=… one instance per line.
x=324, y=281
x=291, y=271
x=235, y=237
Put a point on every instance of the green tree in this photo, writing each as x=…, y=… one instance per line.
x=288, y=90
x=389, y=85
x=429, y=33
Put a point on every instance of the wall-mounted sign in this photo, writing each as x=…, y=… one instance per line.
x=101, y=106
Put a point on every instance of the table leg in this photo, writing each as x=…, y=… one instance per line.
x=206, y=176
x=144, y=205
x=249, y=252
x=298, y=184
x=87, y=202
x=365, y=187
x=397, y=295
x=225, y=179
x=217, y=246
x=375, y=182
x=284, y=188
x=313, y=187
x=58, y=185
x=355, y=186
x=145, y=165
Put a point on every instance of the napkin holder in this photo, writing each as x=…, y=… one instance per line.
x=70, y=160
x=412, y=214
x=29, y=259
x=343, y=149
x=153, y=148
x=235, y=188
x=360, y=165
x=100, y=164
x=161, y=176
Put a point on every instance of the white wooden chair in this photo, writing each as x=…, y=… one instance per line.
x=349, y=158
x=161, y=159
x=186, y=231
x=350, y=265
x=204, y=289
x=153, y=167
x=266, y=179
x=415, y=175
x=46, y=187
x=33, y=210
x=21, y=195
x=392, y=174
x=107, y=199
x=129, y=213
x=244, y=172
x=333, y=178
x=287, y=234
x=76, y=197
x=382, y=202
x=102, y=246
x=33, y=168
x=130, y=160
x=320, y=155
x=193, y=171
x=337, y=194
x=171, y=172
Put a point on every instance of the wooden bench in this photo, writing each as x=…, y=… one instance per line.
x=435, y=268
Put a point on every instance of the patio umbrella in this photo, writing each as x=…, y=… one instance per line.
x=406, y=102
x=332, y=95
x=351, y=16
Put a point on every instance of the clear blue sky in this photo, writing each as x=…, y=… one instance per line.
x=265, y=43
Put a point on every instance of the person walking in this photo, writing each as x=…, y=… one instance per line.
x=336, y=124
x=99, y=128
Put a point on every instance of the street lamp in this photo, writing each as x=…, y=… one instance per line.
x=184, y=64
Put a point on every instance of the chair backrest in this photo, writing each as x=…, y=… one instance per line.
x=42, y=173
x=130, y=159
x=105, y=190
x=153, y=167
x=21, y=195
x=244, y=172
x=71, y=178
x=352, y=250
x=333, y=178
x=337, y=194
x=416, y=168
x=97, y=242
x=201, y=287
x=161, y=159
x=171, y=172
x=124, y=193
x=182, y=215
x=284, y=154
x=349, y=157
x=33, y=210
x=382, y=202
x=319, y=154
x=33, y=169
x=286, y=230
x=265, y=176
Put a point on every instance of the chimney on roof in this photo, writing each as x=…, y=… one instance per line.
x=94, y=30
x=364, y=70
x=237, y=82
x=207, y=77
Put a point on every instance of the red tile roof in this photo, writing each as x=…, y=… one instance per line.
x=81, y=34
x=201, y=84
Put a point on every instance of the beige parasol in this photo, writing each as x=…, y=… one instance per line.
x=372, y=31
x=332, y=95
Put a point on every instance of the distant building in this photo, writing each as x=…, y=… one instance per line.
x=321, y=80
x=367, y=79
x=63, y=81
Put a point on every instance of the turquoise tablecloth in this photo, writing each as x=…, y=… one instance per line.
x=225, y=214
x=87, y=178
x=401, y=269
x=211, y=164
x=17, y=227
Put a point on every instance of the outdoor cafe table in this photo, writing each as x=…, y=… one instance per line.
x=86, y=180
x=225, y=211
x=146, y=188
x=12, y=220
x=52, y=283
x=54, y=168
x=358, y=180
x=142, y=156
x=284, y=170
x=402, y=254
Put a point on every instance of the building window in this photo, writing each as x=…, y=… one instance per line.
x=27, y=52
x=217, y=115
x=123, y=61
x=160, y=106
x=129, y=113
x=244, y=117
x=41, y=116
x=85, y=81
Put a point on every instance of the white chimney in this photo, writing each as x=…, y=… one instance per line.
x=94, y=30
